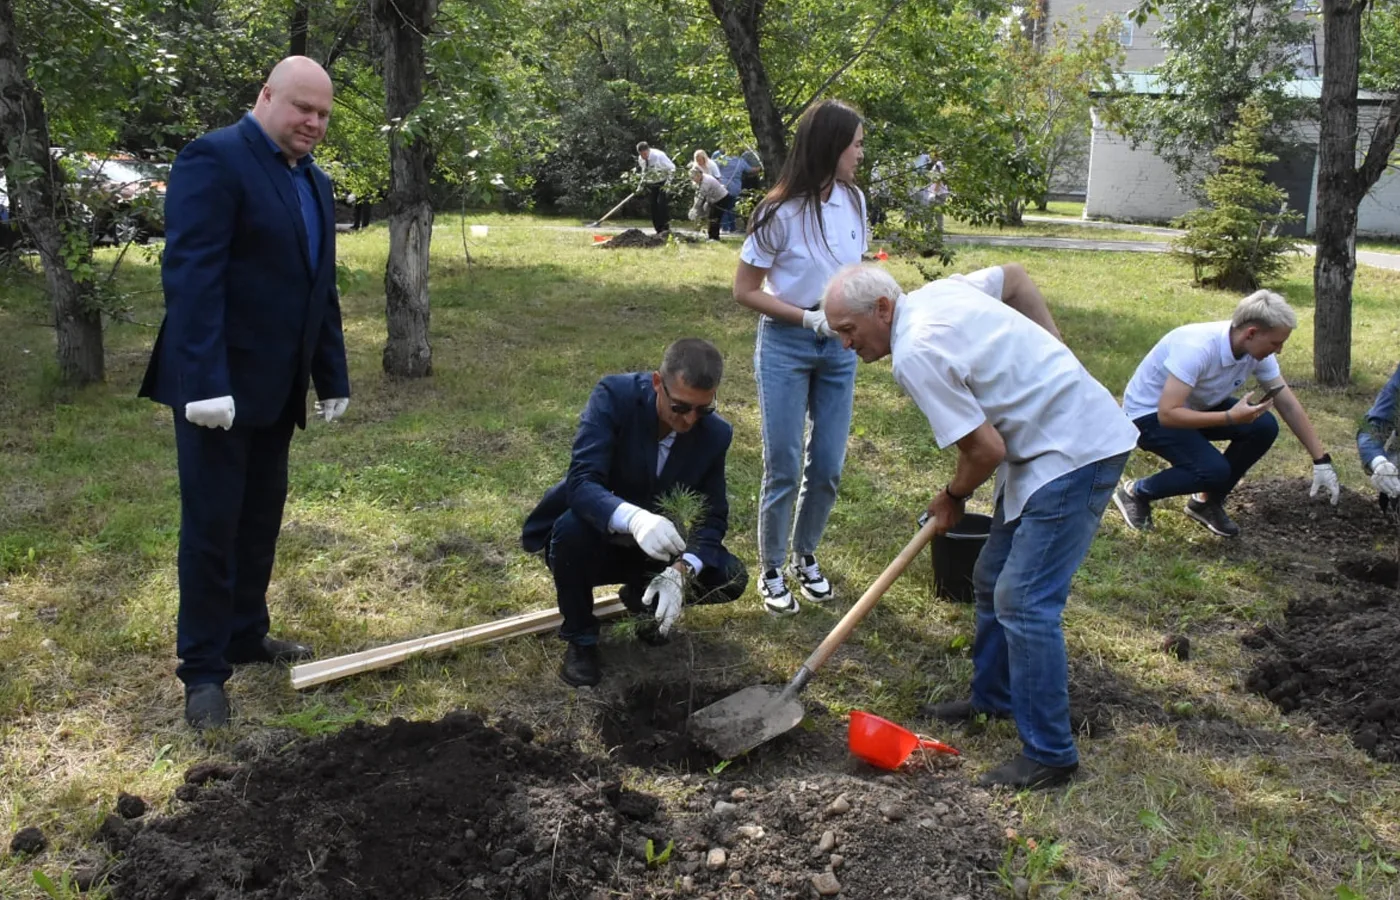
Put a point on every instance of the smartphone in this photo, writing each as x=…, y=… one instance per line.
x=1270, y=394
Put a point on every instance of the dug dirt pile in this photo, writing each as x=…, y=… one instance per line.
x=635, y=238
x=457, y=808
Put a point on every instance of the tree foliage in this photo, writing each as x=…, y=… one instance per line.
x=1233, y=243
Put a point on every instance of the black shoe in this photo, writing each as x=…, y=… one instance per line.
x=269, y=650
x=1211, y=513
x=956, y=711
x=581, y=668
x=1136, y=511
x=1026, y=774
x=206, y=706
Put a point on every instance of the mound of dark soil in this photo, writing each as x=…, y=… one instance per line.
x=457, y=808
x=636, y=239
x=1338, y=658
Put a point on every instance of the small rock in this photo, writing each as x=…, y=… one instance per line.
x=940, y=808
x=826, y=884
x=928, y=823
x=503, y=858
x=839, y=807
x=725, y=809
x=716, y=858
x=752, y=832
x=739, y=794
x=1020, y=888
x=130, y=806
x=827, y=843
x=735, y=878
x=837, y=860
x=688, y=884
x=28, y=841
x=892, y=812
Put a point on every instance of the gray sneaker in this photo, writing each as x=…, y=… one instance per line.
x=1136, y=511
x=1211, y=513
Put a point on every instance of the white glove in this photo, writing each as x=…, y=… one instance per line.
x=213, y=413
x=656, y=535
x=333, y=409
x=1385, y=476
x=815, y=320
x=667, y=591
x=1325, y=478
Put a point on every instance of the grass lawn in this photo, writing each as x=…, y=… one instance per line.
x=403, y=520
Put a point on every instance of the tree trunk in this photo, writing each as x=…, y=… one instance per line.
x=41, y=209
x=403, y=24
x=1338, y=193
x=739, y=20
x=300, y=26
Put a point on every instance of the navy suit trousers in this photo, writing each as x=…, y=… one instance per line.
x=233, y=485
x=581, y=557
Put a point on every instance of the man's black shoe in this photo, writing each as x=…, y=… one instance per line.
x=206, y=706
x=1136, y=511
x=269, y=650
x=1026, y=774
x=1211, y=513
x=956, y=711
x=581, y=668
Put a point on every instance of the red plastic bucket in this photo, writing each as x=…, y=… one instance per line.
x=884, y=744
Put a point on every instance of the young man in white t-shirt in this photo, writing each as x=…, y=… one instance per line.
x=1181, y=398
x=1016, y=402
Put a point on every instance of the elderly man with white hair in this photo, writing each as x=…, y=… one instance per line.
x=1016, y=402
x=1181, y=398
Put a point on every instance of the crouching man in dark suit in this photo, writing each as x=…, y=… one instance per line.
x=641, y=436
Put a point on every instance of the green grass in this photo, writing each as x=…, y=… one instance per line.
x=403, y=520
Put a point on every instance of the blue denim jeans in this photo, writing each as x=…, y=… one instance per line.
x=1019, y=664
x=1196, y=465
x=806, y=385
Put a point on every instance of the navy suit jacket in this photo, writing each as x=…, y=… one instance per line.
x=245, y=314
x=614, y=459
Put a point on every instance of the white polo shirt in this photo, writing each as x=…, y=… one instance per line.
x=803, y=262
x=966, y=358
x=1198, y=355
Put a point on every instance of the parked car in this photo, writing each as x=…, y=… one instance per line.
x=127, y=196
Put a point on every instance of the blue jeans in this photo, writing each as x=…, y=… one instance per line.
x=1196, y=465
x=804, y=381
x=1019, y=664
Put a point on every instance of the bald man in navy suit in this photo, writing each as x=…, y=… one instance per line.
x=251, y=318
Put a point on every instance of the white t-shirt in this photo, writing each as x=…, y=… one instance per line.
x=966, y=358
x=656, y=166
x=803, y=262
x=1198, y=355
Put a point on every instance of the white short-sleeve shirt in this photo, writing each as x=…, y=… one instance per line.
x=1198, y=355
x=966, y=358
x=803, y=262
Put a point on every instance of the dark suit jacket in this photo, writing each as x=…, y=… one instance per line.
x=245, y=315
x=614, y=459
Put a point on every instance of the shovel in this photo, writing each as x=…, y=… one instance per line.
x=599, y=221
x=742, y=721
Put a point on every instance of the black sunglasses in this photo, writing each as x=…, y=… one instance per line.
x=685, y=409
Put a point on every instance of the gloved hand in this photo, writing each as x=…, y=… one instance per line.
x=815, y=320
x=1325, y=478
x=1385, y=477
x=332, y=409
x=216, y=412
x=656, y=535
x=667, y=591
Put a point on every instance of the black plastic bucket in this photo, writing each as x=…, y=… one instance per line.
x=955, y=556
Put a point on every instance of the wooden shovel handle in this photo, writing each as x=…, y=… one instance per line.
x=867, y=601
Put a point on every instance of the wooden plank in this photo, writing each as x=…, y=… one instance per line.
x=323, y=670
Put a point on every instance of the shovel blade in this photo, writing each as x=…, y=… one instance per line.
x=742, y=721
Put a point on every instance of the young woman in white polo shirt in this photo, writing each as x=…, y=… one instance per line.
x=809, y=225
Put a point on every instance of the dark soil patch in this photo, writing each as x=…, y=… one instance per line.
x=636, y=239
x=458, y=808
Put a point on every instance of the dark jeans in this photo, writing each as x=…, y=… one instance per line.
x=1197, y=467
x=233, y=485
x=362, y=212
x=660, y=206
x=582, y=557
x=718, y=211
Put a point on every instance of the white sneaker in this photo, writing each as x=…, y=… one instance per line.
x=810, y=579
x=777, y=599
